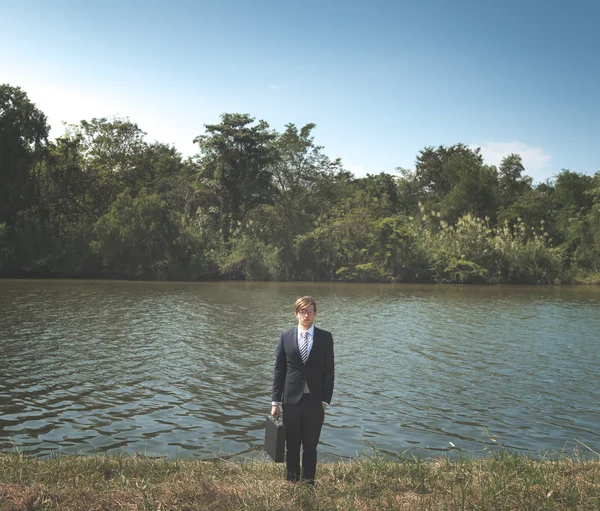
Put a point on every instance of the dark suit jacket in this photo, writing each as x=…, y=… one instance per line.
x=290, y=372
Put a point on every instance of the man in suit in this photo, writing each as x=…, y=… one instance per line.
x=303, y=383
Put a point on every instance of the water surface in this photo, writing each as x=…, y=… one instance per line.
x=184, y=369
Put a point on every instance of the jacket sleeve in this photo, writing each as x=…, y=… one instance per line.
x=329, y=375
x=279, y=371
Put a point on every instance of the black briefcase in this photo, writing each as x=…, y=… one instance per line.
x=275, y=439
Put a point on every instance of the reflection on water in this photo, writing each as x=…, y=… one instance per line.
x=185, y=369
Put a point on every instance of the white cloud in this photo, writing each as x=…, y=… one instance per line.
x=357, y=170
x=535, y=160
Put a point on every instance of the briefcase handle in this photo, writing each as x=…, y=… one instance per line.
x=279, y=418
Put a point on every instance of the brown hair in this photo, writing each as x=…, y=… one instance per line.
x=303, y=303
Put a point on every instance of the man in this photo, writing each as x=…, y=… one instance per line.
x=303, y=382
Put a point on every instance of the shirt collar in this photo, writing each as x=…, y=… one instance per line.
x=311, y=331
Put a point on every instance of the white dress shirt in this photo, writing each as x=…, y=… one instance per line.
x=309, y=341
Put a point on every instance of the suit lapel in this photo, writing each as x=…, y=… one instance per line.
x=295, y=348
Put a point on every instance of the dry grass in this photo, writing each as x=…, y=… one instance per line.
x=506, y=482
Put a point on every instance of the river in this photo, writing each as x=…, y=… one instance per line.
x=184, y=369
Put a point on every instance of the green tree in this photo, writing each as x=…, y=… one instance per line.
x=512, y=184
x=136, y=237
x=299, y=170
x=298, y=164
x=588, y=253
x=163, y=171
x=109, y=150
x=408, y=191
x=82, y=176
x=575, y=221
x=455, y=181
x=23, y=136
x=474, y=192
x=536, y=207
x=353, y=242
x=235, y=170
x=84, y=172
x=437, y=170
x=381, y=191
x=571, y=191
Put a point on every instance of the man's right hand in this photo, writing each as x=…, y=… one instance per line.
x=275, y=411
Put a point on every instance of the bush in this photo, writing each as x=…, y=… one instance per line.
x=252, y=259
x=472, y=252
x=524, y=257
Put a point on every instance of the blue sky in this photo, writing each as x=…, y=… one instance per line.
x=381, y=79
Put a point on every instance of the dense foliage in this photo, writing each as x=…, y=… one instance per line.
x=259, y=204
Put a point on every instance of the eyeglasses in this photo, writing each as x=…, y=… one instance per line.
x=305, y=313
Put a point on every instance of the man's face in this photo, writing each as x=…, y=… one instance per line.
x=306, y=317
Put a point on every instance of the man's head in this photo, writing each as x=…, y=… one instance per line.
x=305, y=309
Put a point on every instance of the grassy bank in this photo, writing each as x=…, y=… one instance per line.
x=507, y=482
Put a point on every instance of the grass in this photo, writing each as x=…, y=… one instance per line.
x=499, y=482
x=590, y=277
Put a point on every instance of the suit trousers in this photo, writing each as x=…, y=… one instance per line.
x=303, y=422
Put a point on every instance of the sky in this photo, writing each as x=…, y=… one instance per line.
x=382, y=80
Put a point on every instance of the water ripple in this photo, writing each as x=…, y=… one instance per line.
x=185, y=369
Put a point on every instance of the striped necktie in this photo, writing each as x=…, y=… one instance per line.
x=304, y=346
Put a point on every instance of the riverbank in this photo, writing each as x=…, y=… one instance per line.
x=505, y=481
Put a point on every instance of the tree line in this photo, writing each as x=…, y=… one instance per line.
x=257, y=204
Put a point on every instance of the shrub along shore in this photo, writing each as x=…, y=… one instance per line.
x=500, y=481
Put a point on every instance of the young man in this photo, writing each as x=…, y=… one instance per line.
x=303, y=382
